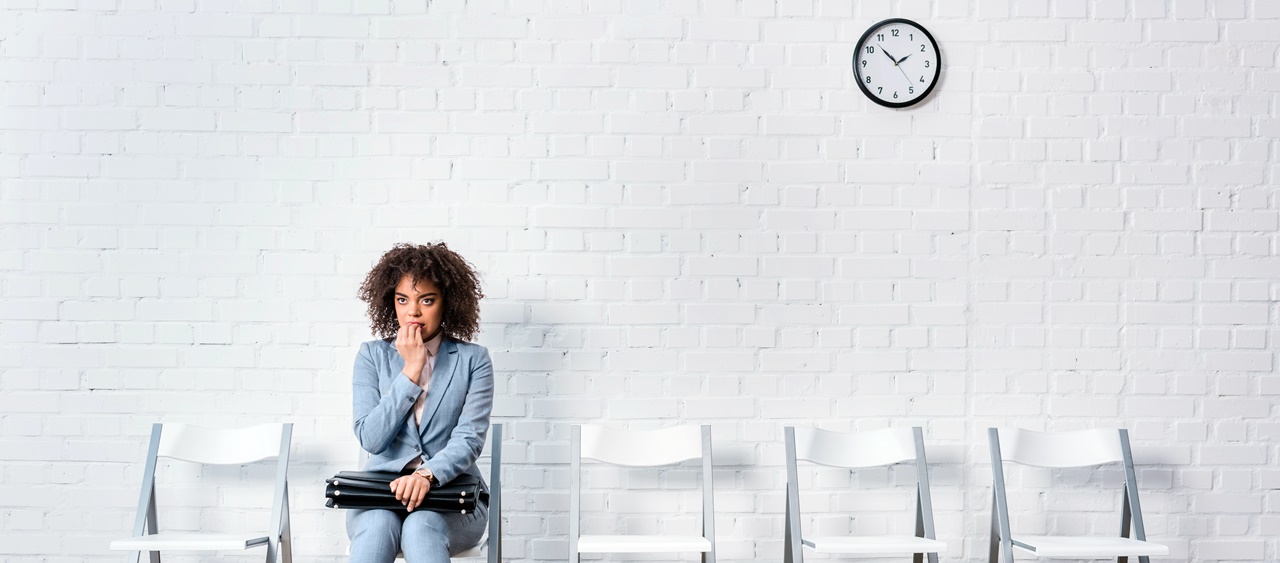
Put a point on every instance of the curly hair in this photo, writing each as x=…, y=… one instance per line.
x=455, y=277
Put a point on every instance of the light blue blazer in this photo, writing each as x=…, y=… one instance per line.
x=455, y=416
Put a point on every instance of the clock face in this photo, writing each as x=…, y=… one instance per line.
x=896, y=63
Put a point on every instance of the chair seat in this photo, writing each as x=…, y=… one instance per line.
x=875, y=545
x=642, y=544
x=190, y=541
x=1087, y=546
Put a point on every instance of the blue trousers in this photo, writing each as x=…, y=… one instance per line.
x=423, y=536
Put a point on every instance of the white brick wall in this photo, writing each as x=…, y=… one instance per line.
x=684, y=212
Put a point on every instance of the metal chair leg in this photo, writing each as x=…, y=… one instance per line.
x=793, y=539
x=993, y=554
x=918, y=557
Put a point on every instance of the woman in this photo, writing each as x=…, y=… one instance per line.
x=422, y=397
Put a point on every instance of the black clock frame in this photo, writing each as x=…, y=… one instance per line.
x=857, y=47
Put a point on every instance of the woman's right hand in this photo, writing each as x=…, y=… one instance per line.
x=414, y=351
x=410, y=490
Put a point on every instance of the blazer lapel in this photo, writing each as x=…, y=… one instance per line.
x=441, y=375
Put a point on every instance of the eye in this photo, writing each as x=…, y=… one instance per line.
x=401, y=300
x=428, y=301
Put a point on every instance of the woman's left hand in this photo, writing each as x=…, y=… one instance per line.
x=410, y=490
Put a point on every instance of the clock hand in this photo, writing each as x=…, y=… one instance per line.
x=903, y=59
x=904, y=73
x=886, y=53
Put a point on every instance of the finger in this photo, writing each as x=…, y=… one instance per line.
x=411, y=496
x=410, y=503
x=419, y=493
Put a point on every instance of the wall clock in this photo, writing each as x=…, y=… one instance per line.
x=897, y=63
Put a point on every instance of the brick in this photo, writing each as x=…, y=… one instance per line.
x=561, y=169
x=635, y=123
x=568, y=28
x=724, y=30
x=718, y=362
x=726, y=171
x=640, y=266
x=489, y=77
x=723, y=124
x=576, y=123
x=485, y=169
x=641, y=360
x=719, y=313
x=773, y=360
x=583, y=265
x=567, y=313
x=712, y=77
x=647, y=218
x=627, y=313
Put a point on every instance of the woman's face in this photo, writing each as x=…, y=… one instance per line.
x=419, y=302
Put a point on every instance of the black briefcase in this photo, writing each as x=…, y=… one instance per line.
x=372, y=489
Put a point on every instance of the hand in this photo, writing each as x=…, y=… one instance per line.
x=904, y=73
x=410, y=490
x=886, y=53
x=414, y=351
x=903, y=59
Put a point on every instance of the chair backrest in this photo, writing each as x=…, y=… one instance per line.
x=1079, y=448
x=861, y=449
x=220, y=446
x=641, y=448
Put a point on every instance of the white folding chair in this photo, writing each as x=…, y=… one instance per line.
x=490, y=544
x=1081, y=448
x=643, y=448
x=875, y=448
x=214, y=447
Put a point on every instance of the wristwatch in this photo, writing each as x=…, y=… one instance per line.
x=431, y=478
